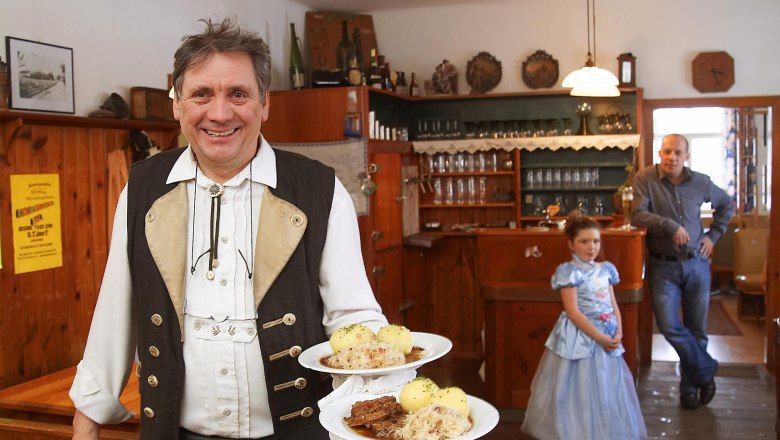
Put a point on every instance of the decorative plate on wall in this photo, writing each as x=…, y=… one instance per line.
x=540, y=70
x=483, y=73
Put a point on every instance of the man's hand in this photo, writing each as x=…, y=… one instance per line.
x=681, y=237
x=705, y=247
x=85, y=428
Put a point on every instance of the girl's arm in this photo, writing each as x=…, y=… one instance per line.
x=618, y=317
x=569, y=298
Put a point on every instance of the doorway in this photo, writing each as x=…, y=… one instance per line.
x=750, y=198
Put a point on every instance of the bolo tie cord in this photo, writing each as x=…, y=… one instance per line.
x=215, y=191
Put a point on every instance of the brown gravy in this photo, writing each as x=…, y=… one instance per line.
x=413, y=356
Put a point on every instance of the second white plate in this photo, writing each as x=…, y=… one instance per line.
x=483, y=414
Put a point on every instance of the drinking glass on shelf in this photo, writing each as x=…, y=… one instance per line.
x=482, y=190
x=451, y=162
x=471, y=190
x=460, y=162
x=441, y=163
x=470, y=166
x=460, y=191
x=449, y=191
x=481, y=162
x=493, y=160
x=438, y=196
x=582, y=204
x=529, y=179
x=566, y=178
x=548, y=178
x=585, y=177
x=576, y=178
x=538, y=178
x=598, y=205
x=539, y=208
x=594, y=176
x=556, y=178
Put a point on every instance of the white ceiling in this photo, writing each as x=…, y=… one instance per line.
x=356, y=6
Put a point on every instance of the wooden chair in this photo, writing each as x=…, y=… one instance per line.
x=750, y=251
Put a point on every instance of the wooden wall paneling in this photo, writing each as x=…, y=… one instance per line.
x=48, y=312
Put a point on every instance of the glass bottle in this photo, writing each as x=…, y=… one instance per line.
x=401, y=87
x=359, y=62
x=374, y=77
x=345, y=51
x=414, y=89
x=297, y=73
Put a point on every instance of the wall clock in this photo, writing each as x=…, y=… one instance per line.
x=713, y=72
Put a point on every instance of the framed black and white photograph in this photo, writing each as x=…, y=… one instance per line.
x=40, y=76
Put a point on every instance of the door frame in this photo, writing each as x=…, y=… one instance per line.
x=773, y=256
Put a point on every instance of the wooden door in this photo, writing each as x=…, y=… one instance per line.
x=387, y=201
x=388, y=279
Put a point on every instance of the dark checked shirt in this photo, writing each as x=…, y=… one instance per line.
x=662, y=207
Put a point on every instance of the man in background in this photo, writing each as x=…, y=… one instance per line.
x=668, y=200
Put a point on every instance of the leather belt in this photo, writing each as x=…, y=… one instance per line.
x=674, y=258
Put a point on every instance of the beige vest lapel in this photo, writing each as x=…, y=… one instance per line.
x=166, y=234
x=280, y=229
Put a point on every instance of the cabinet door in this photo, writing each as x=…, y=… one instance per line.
x=387, y=202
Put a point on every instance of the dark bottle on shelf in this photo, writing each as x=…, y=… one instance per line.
x=374, y=77
x=297, y=72
x=401, y=87
x=359, y=62
x=345, y=52
x=414, y=89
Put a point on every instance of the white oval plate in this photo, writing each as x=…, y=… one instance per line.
x=434, y=347
x=483, y=414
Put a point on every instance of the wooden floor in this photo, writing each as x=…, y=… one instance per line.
x=744, y=407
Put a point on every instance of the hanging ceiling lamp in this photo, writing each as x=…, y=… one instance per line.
x=591, y=80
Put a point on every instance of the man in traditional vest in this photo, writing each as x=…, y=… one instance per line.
x=228, y=258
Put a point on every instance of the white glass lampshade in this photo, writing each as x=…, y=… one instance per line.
x=592, y=81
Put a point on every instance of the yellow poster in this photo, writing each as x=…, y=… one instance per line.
x=35, y=219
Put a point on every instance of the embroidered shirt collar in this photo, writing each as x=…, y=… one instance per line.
x=263, y=168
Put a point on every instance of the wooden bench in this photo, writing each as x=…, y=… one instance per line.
x=40, y=409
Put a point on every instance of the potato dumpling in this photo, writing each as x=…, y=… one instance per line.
x=396, y=336
x=350, y=335
x=417, y=393
x=454, y=398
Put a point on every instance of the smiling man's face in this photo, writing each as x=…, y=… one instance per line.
x=221, y=111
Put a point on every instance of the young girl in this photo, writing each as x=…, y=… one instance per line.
x=583, y=388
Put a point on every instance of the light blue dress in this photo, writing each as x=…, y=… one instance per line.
x=580, y=390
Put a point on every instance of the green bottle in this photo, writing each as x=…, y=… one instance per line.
x=297, y=75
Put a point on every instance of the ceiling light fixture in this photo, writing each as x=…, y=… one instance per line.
x=591, y=80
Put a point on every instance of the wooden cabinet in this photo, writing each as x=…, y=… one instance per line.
x=514, y=147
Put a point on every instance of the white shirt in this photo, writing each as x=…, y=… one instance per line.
x=225, y=390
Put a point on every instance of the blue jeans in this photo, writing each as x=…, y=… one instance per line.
x=687, y=284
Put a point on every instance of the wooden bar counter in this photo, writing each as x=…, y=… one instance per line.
x=514, y=268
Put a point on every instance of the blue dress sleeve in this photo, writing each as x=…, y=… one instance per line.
x=566, y=275
x=614, y=277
